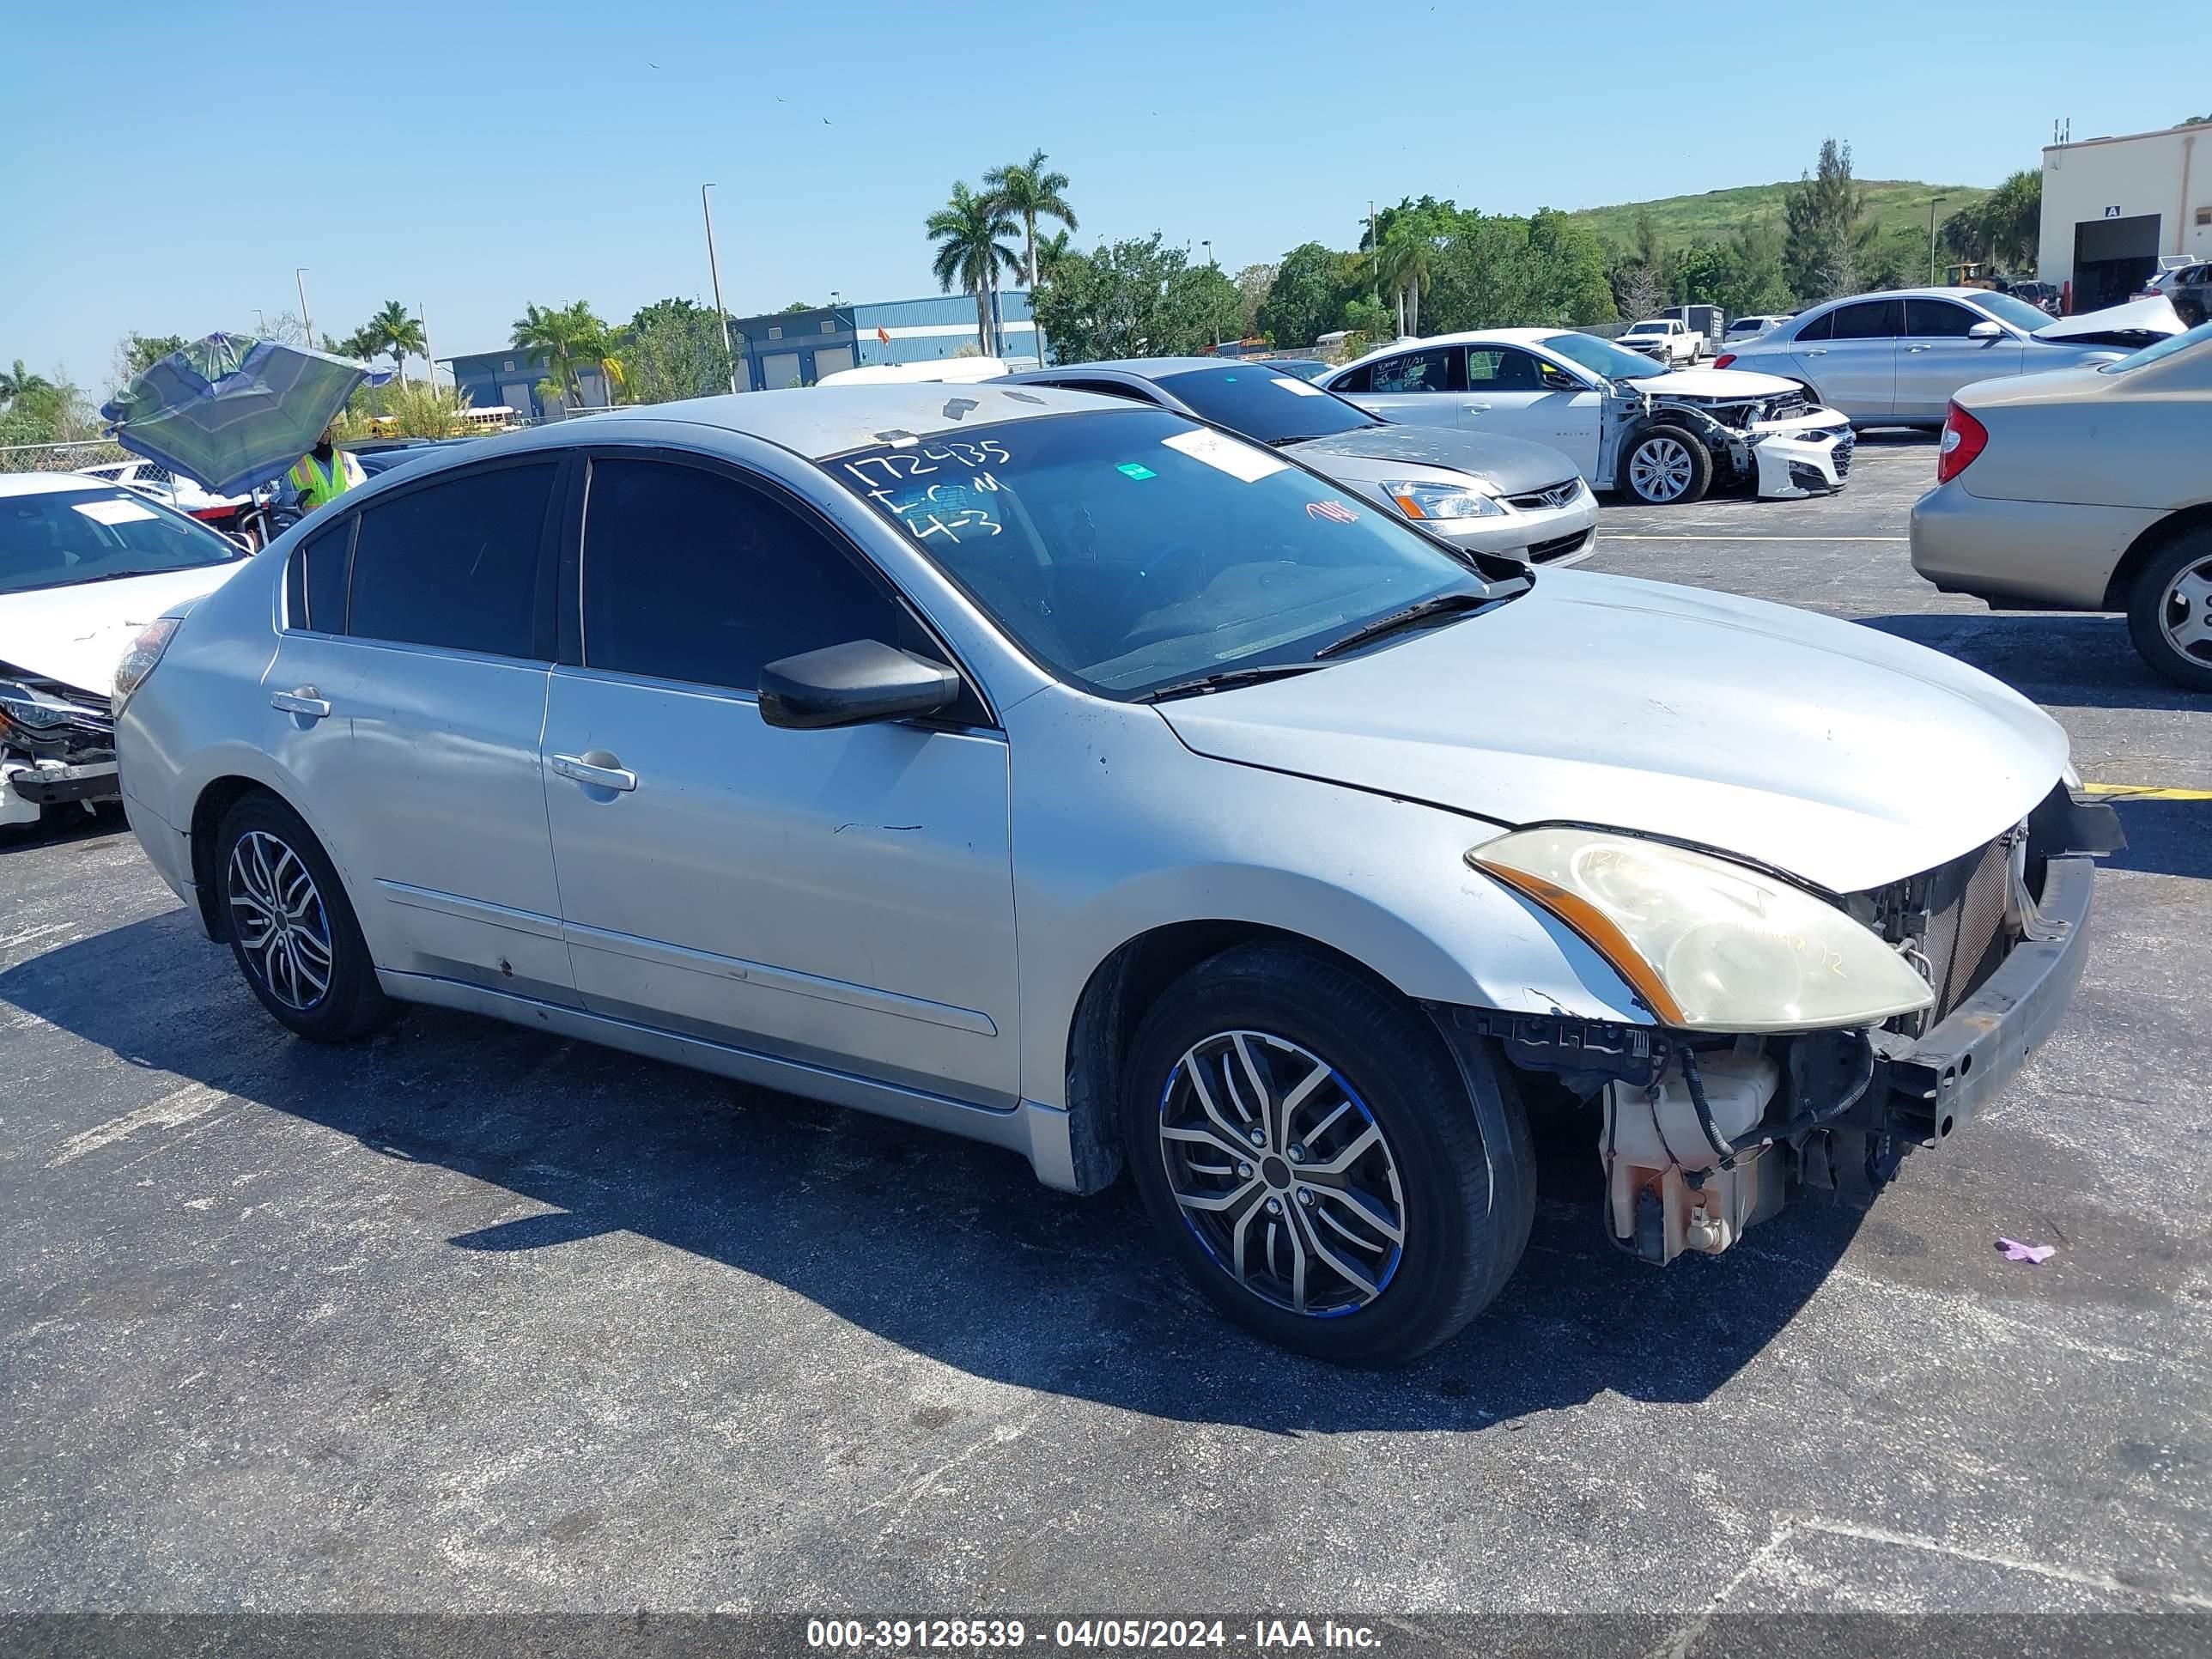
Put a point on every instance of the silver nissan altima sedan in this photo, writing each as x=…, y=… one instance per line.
x=1065, y=774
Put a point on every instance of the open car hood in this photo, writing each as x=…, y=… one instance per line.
x=76, y=634
x=1838, y=753
x=1720, y=385
x=2129, y=327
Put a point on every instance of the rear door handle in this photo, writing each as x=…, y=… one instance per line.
x=1920, y=348
x=597, y=768
x=1817, y=351
x=301, y=700
x=1476, y=408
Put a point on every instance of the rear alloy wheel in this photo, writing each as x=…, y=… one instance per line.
x=1667, y=467
x=290, y=928
x=1308, y=1151
x=2170, y=612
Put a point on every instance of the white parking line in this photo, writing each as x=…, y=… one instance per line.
x=1604, y=535
x=174, y=1110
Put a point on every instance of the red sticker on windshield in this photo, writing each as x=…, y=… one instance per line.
x=1334, y=512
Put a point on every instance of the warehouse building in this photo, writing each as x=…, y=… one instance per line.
x=2113, y=207
x=787, y=348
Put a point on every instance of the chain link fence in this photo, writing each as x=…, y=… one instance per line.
x=60, y=457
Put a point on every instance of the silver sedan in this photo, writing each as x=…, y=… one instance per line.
x=1092, y=783
x=1478, y=490
x=1895, y=359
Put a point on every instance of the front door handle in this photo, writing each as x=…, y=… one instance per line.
x=1920, y=348
x=1817, y=351
x=301, y=700
x=1476, y=408
x=596, y=768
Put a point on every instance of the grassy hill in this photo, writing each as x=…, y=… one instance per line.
x=1895, y=204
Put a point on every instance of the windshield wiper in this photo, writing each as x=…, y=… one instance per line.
x=1225, y=680
x=1436, y=606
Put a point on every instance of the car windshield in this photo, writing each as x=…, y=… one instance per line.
x=55, y=538
x=1265, y=405
x=2166, y=348
x=1601, y=357
x=2011, y=308
x=1649, y=328
x=1128, y=550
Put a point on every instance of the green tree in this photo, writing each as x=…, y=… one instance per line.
x=1254, y=283
x=1049, y=248
x=1137, y=298
x=20, y=383
x=137, y=353
x=393, y=329
x=1830, y=241
x=674, y=350
x=1030, y=191
x=569, y=337
x=799, y=305
x=970, y=253
x=1307, y=298
x=1569, y=260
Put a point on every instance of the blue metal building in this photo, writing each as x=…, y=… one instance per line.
x=791, y=347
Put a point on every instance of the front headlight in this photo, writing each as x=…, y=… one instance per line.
x=1439, y=501
x=1711, y=945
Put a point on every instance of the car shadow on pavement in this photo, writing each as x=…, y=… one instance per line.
x=2061, y=658
x=946, y=1248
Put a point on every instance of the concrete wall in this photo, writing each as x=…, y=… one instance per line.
x=2167, y=176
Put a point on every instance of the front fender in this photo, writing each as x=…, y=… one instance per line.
x=1118, y=830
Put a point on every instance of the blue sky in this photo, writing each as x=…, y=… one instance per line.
x=472, y=157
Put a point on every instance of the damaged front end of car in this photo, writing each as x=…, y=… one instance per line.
x=1704, y=1130
x=56, y=745
x=1781, y=447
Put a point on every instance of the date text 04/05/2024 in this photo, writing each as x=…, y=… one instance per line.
x=1086, y=1635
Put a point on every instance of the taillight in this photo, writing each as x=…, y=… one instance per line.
x=1964, y=438
x=139, y=661
x=1725, y=360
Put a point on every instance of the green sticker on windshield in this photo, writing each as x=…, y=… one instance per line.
x=1135, y=470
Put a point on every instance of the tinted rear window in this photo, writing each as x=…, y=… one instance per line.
x=1869, y=319
x=454, y=564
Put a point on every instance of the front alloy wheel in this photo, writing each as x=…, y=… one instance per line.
x=2170, y=610
x=1282, y=1173
x=277, y=914
x=1659, y=470
x=1332, y=1175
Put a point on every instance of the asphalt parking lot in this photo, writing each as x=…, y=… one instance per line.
x=469, y=1318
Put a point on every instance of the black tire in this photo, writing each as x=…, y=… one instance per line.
x=1652, y=439
x=2153, y=602
x=1466, y=1201
x=350, y=1004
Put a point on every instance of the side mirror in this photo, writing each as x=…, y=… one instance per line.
x=856, y=683
x=1985, y=330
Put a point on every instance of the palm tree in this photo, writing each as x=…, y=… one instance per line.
x=567, y=336
x=966, y=230
x=1408, y=255
x=393, y=328
x=1050, y=250
x=1030, y=191
x=21, y=382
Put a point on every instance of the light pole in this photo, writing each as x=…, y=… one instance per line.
x=715, y=270
x=306, y=317
x=261, y=322
x=1932, y=201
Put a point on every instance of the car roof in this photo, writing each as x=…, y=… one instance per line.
x=821, y=421
x=33, y=483
x=1470, y=336
x=1902, y=294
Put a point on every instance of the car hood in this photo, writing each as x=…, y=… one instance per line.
x=2135, y=323
x=1840, y=754
x=1508, y=464
x=1721, y=383
x=76, y=634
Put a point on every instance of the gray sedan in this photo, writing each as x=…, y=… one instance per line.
x=1895, y=359
x=1066, y=774
x=1474, y=490
x=2085, y=491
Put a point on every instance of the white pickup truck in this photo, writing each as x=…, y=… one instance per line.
x=1669, y=339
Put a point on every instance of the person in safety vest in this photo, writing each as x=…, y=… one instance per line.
x=323, y=473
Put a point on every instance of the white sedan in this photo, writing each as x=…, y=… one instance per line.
x=151, y=478
x=1661, y=435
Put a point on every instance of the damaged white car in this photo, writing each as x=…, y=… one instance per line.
x=1058, y=772
x=1660, y=435
x=84, y=566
